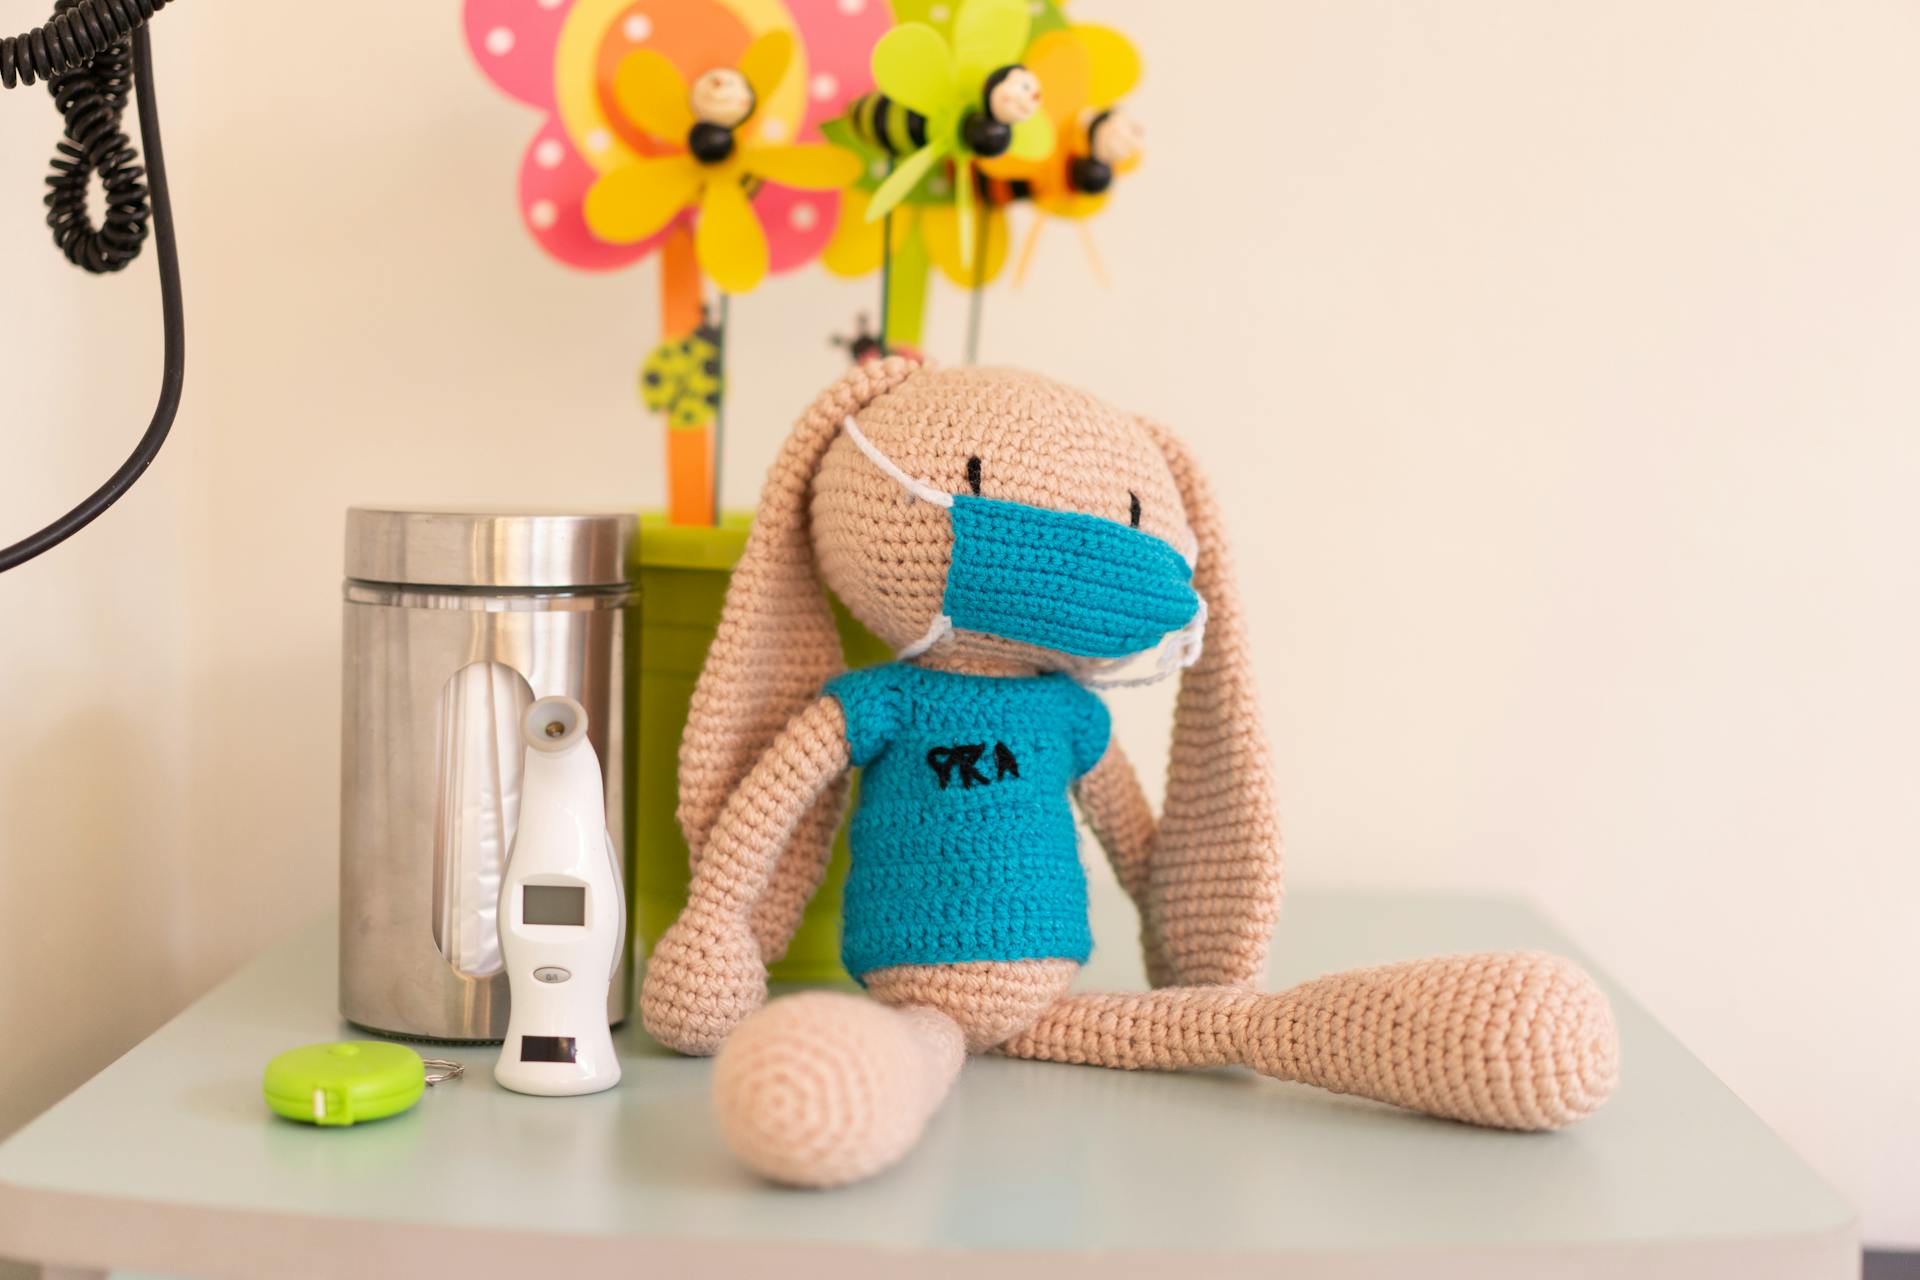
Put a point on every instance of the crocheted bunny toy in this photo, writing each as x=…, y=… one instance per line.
x=1014, y=540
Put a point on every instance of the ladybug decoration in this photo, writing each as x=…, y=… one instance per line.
x=864, y=345
x=682, y=379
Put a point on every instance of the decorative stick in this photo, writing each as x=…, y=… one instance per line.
x=979, y=284
x=720, y=407
x=690, y=449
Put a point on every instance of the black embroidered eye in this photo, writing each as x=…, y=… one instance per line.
x=1133, y=512
x=973, y=475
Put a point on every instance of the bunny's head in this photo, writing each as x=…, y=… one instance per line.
x=996, y=522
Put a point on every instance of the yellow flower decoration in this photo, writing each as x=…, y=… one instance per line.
x=719, y=169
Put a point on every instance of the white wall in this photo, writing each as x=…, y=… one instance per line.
x=95, y=930
x=1556, y=361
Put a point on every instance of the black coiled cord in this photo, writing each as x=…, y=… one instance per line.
x=93, y=54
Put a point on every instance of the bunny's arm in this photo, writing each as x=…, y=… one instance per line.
x=1117, y=809
x=706, y=972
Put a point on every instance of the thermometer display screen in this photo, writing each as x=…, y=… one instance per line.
x=547, y=1049
x=553, y=904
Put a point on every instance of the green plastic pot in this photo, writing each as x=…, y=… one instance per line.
x=681, y=572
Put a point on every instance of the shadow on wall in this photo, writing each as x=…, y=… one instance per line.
x=262, y=854
x=85, y=900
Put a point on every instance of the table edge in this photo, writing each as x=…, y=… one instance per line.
x=60, y=1227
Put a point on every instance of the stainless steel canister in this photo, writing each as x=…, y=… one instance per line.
x=455, y=622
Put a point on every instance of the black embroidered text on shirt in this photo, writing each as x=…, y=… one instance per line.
x=1003, y=762
x=964, y=759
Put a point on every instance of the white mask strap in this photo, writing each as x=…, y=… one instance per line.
x=935, y=633
x=918, y=488
x=1177, y=652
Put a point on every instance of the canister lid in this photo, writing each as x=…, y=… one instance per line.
x=500, y=549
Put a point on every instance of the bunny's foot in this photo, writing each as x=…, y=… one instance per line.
x=1513, y=1040
x=823, y=1088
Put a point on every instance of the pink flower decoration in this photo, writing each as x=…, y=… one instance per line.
x=553, y=185
x=838, y=37
x=515, y=43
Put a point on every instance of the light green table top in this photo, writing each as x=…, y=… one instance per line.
x=169, y=1162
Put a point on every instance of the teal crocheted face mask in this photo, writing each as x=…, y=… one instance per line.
x=1066, y=581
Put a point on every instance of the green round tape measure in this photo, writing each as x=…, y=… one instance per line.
x=349, y=1081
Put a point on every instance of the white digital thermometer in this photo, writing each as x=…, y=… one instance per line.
x=562, y=914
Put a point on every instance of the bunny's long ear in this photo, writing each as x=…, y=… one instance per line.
x=1214, y=875
x=775, y=648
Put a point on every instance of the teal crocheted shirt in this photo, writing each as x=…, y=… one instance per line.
x=963, y=840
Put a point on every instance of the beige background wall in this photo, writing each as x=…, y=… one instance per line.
x=1557, y=362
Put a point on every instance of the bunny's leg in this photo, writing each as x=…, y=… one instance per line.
x=988, y=1000
x=825, y=1088
x=1514, y=1040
